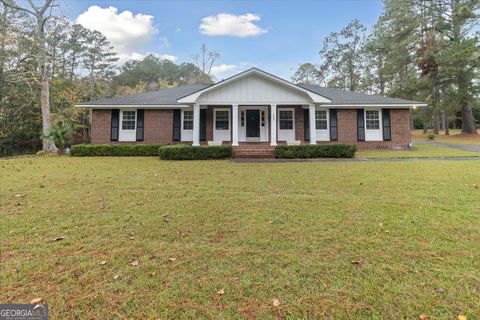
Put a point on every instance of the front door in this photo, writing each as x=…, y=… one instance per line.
x=253, y=123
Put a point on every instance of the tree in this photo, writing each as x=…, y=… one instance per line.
x=41, y=59
x=204, y=61
x=99, y=58
x=307, y=73
x=342, y=54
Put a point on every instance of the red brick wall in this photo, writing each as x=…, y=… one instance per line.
x=158, y=126
x=400, y=126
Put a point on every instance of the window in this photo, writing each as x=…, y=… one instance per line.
x=286, y=119
x=242, y=118
x=262, y=118
x=321, y=120
x=221, y=120
x=128, y=120
x=187, y=120
x=372, y=119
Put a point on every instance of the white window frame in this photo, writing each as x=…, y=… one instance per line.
x=183, y=120
x=220, y=134
x=127, y=134
x=373, y=134
x=323, y=134
x=286, y=134
x=186, y=134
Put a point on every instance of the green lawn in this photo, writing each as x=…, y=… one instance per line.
x=419, y=151
x=455, y=137
x=329, y=240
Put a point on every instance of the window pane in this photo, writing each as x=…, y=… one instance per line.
x=187, y=120
x=128, y=120
x=221, y=120
x=286, y=120
x=372, y=118
x=321, y=120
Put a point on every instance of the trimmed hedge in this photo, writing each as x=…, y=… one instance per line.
x=187, y=152
x=129, y=150
x=316, y=151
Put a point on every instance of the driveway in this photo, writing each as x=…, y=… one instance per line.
x=449, y=145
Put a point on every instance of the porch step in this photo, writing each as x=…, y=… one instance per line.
x=254, y=151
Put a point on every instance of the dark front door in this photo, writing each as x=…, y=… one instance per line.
x=253, y=123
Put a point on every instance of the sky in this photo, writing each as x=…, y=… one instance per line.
x=275, y=36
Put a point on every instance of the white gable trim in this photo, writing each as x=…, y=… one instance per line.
x=316, y=98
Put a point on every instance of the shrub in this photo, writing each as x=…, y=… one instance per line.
x=140, y=150
x=187, y=152
x=315, y=151
x=61, y=133
x=430, y=135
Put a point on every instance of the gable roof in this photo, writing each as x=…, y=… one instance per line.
x=180, y=96
x=316, y=97
x=167, y=96
x=348, y=98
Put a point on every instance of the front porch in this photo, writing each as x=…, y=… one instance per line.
x=239, y=124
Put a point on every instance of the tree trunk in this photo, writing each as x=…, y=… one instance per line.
x=436, y=124
x=445, y=123
x=48, y=144
x=468, y=121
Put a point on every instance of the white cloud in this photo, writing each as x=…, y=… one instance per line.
x=141, y=56
x=226, y=24
x=223, y=68
x=126, y=31
x=168, y=57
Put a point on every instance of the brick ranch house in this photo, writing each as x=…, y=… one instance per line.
x=253, y=109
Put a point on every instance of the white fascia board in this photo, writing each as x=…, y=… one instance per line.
x=137, y=106
x=375, y=105
x=314, y=96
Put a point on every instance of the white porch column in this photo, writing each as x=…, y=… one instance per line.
x=273, y=124
x=313, y=129
x=196, y=125
x=235, y=125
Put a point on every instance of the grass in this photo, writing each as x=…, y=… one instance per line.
x=419, y=151
x=455, y=137
x=329, y=240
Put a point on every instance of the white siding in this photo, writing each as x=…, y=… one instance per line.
x=254, y=89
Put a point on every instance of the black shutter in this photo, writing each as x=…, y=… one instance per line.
x=203, y=124
x=177, y=118
x=387, y=131
x=306, y=124
x=115, y=124
x=140, y=124
x=333, y=125
x=360, y=125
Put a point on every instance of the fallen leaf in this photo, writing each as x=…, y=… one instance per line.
x=17, y=195
x=103, y=262
x=134, y=263
x=115, y=277
x=36, y=300
x=423, y=317
x=462, y=317
x=276, y=302
x=58, y=238
x=221, y=291
x=271, y=221
x=380, y=225
x=153, y=274
x=165, y=215
x=172, y=259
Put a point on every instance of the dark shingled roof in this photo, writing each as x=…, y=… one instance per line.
x=342, y=97
x=163, y=96
x=171, y=95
